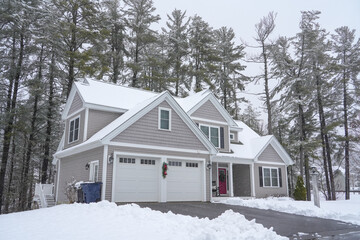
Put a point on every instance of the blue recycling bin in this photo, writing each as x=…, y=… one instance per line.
x=91, y=192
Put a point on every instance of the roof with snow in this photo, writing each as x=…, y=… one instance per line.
x=131, y=101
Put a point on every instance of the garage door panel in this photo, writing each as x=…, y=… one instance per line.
x=184, y=183
x=136, y=182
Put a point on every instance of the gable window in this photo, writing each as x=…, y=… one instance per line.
x=212, y=133
x=74, y=129
x=271, y=177
x=94, y=171
x=165, y=119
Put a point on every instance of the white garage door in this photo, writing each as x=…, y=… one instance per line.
x=184, y=181
x=137, y=180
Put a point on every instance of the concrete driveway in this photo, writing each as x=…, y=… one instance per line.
x=289, y=225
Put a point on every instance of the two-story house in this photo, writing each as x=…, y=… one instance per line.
x=121, y=136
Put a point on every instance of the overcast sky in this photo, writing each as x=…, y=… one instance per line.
x=243, y=15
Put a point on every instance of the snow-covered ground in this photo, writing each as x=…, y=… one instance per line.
x=105, y=220
x=343, y=210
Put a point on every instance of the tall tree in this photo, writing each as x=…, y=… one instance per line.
x=77, y=30
x=228, y=78
x=139, y=16
x=178, y=48
x=263, y=30
x=202, y=54
x=347, y=52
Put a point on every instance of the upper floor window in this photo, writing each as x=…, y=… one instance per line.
x=74, y=129
x=212, y=133
x=165, y=119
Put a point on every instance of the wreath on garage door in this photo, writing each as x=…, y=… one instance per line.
x=164, y=169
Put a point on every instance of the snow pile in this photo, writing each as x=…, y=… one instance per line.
x=343, y=210
x=105, y=220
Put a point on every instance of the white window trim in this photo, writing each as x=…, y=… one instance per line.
x=91, y=170
x=211, y=126
x=68, y=135
x=277, y=174
x=159, y=120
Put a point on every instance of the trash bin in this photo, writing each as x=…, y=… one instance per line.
x=90, y=192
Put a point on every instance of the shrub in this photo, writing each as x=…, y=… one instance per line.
x=300, y=190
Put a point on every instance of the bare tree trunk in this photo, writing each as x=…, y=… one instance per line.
x=9, y=126
x=24, y=184
x=322, y=134
x=72, y=50
x=11, y=170
x=347, y=161
x=47, y=157
x=267, y=94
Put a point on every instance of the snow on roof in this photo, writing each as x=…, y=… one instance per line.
x=247, y=133
x=112, y=95
x=122, y=119
x=189, y=102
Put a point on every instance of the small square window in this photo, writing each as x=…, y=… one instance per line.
x=133, y=160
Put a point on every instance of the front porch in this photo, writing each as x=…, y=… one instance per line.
x=231, y=179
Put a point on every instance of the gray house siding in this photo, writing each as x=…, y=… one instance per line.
x=81, y=131
x=145, y=131
x=270, y=155
x=208, y=111
x=262, y=192
x=98, y=120
x=241, y=180
x=226, y=134
x=76, y=104
x=153, y=152
x=73, y=167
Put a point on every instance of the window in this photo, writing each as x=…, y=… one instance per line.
x=127, y=160
x=147, y=161
x=271, y=177
x=212, y=133
x=74, y=130
x=191, y=164
x=175, y=163
x=94, y=171
x=232, y=137
x=164, y=119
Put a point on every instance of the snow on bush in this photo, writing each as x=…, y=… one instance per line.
x=343, y=210
x=108, y=221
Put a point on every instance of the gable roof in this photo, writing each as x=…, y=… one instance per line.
x=194, y=102
x=254, y=144
x=97, y=94
x=114, y=128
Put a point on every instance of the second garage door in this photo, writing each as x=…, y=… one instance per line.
x=184, y=181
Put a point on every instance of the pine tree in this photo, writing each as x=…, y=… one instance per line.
x=178, y=49
x=348, y=58
x=139, y=16
x=263, y=30
x=227, y=76
x=202, y=54
x=300, y=190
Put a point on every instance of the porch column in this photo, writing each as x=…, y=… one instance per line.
x=231, y=180
x=252, y=176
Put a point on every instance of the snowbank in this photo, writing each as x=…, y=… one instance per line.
x=105, y=220
x=343, y=210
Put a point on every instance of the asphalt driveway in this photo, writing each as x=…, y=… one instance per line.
x=289, y=225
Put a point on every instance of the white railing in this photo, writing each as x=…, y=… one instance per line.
x=41, y=190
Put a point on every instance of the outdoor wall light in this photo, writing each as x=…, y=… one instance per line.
x=87, y=166
x=209, y=165
x=111, y=158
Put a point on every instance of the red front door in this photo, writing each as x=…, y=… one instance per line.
x=222, y=180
